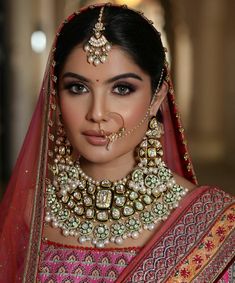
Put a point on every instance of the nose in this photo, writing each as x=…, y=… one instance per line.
x=97, y=109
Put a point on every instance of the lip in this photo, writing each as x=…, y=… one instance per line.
x=95, y=138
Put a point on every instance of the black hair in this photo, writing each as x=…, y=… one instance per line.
x=123, y=27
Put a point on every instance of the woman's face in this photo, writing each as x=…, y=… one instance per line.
x=105, y=96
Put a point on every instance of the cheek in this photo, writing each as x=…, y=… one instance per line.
x=71, y=113
x=136, y=112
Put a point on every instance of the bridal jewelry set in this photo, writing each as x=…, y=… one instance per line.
x=105, y=211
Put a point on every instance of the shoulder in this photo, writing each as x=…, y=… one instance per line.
x=214, y=190
x=184, y=182
x=206, y=194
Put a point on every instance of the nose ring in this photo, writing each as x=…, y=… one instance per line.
x=113, y=136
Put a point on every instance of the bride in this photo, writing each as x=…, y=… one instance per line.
x=104, y=189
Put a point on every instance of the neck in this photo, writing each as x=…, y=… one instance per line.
x=112, y=170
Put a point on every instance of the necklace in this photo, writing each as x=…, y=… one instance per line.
x=106, y=211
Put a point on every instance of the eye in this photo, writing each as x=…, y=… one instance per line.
x=123, y=89
x=76, y=88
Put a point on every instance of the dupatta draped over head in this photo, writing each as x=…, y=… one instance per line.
x=22, y=209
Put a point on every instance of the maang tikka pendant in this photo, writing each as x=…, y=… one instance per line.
x=97, y=47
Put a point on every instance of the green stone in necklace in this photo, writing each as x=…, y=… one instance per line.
x=105, y=211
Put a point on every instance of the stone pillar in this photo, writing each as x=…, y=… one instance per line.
x=207, y=106
x=20, y=73
x=26, y=67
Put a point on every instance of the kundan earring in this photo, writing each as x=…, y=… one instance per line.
x=150, y=150
x=63, y=148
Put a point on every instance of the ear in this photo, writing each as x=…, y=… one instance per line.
x=159, y=98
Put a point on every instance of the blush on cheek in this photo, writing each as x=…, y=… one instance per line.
x=135, y=115
x=69, y=111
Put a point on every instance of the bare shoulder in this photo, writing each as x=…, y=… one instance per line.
x=184, y=182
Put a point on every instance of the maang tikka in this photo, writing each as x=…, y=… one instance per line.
x=97, y=47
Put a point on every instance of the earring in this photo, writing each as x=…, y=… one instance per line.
x=62, y=149
x=150, y=151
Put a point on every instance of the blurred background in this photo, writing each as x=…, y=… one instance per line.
x=200, y=37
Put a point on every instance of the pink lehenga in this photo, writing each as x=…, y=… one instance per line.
x=195, y=244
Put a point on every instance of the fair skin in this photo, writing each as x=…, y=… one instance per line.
x=88, y=95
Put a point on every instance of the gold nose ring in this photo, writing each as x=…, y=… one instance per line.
x=115, y=135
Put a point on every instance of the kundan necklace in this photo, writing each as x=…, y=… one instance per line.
x=106, y=211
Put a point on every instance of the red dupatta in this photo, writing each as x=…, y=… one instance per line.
x=22, y=208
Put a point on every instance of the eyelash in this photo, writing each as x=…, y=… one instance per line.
x=71, y=85
x=128, y=88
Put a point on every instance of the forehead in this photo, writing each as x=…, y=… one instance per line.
x=118, y=62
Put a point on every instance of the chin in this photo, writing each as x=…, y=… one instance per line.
x=97, y=154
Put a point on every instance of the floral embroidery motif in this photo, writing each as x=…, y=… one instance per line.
x=206, y=249
x=184, y=273
x=209, y=245
x=74, y=265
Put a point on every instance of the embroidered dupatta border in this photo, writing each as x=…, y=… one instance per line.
x=159, y=258
x=31, y=265
x=212, y=254
x=221, y=259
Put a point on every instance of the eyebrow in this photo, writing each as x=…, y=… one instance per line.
x=115, y=78
x=124, y=76
x=76, y=76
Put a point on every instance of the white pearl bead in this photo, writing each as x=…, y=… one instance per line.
x=74, y=185
x=151, y=227
x=48, y=218
x=135, y=235
x=99, y=244
x=119, y=240
x=108, y=47
x=86, y=47
x=82, y=240
x=90, y=59
x=65, y=233
x=55, y=224
x=97, y=62
x=103, y=59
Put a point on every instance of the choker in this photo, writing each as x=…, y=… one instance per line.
x=104, y=211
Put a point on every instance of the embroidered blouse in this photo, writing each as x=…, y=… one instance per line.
x=65, y=264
